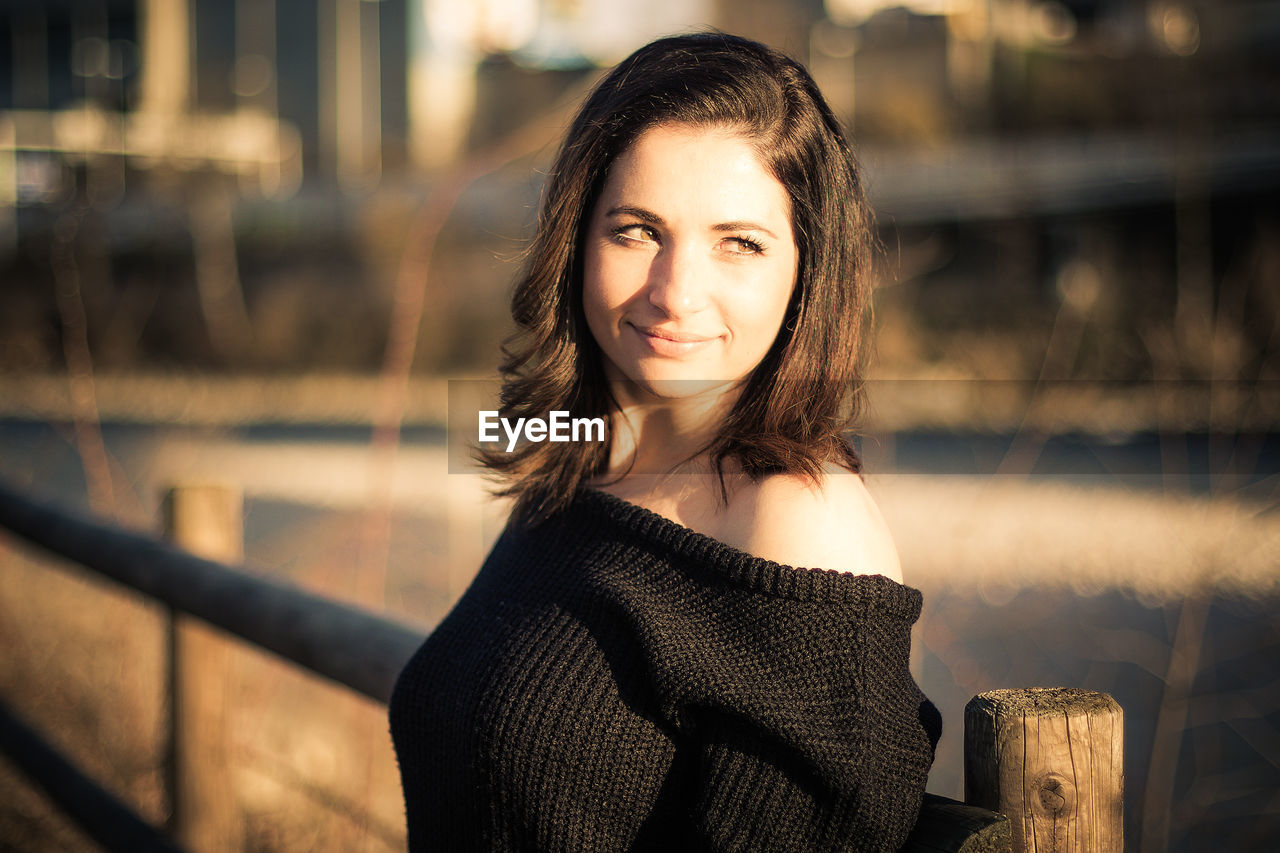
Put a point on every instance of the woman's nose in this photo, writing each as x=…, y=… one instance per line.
x=677, y=282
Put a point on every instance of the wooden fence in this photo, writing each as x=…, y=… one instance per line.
x=1049, y=759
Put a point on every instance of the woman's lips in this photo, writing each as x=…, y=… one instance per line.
x=667, y=342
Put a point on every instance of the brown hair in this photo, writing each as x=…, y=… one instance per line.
x=797, y=405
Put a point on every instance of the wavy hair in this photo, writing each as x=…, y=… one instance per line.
x=797, y=405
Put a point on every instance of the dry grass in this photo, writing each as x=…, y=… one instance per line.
x=1001, y=534
x=83, y=665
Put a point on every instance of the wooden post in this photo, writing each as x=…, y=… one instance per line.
x=1052, y=760
x=208, y=521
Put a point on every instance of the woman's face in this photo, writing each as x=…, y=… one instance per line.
x=689, y=261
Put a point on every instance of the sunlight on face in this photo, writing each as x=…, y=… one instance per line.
x=689, y=262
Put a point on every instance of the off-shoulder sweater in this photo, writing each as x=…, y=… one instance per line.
x=612, y=680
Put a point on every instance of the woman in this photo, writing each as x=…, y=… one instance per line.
x=638, y=665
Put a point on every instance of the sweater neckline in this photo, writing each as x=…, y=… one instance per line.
x=758, y=573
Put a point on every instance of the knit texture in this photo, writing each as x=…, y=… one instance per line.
x=614, y=681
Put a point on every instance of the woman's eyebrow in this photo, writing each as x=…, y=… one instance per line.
x=744, y=226
x=638, y=212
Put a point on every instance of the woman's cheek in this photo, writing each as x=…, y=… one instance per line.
x=621, y=277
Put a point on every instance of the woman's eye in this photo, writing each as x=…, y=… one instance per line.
x=744, y=246
x=635, y=233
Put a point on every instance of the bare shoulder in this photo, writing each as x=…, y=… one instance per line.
x=833, y=524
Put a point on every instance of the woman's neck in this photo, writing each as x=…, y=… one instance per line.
x=656, y=436
x=657, y=457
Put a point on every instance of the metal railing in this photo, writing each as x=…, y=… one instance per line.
x=366, y=652
x=98, y=813
x=340, y=642
x=351, y=646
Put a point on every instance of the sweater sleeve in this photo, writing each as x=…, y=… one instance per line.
x=804, y=727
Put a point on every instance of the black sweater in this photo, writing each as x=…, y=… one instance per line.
x=612, y=680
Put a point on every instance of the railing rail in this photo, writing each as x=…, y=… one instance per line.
x=341, y=642
x=365, y=652
x=98, y=813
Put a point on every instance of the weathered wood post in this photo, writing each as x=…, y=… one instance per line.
x=208, y=521
x=1052, y=760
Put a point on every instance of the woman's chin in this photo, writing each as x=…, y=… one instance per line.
x=673, y=387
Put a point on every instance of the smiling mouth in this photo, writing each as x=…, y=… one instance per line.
x=671, y=337
x=668, y=344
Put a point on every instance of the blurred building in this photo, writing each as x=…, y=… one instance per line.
x=279, y=91
x=181, y=141
x=252, y=154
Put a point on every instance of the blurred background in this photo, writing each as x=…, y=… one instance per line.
x=252, y=243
